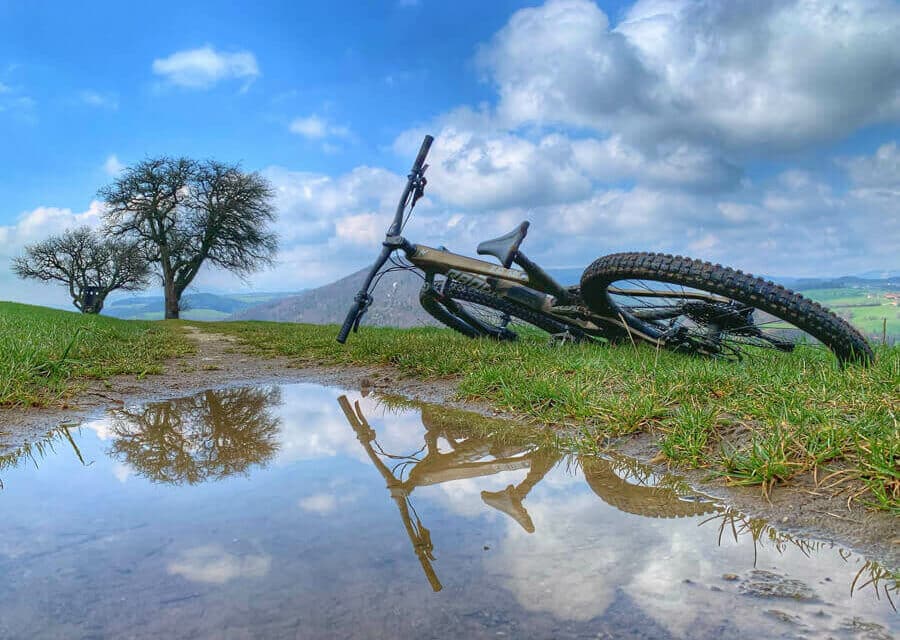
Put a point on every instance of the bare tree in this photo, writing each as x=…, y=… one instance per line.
x=185, y=213
x=88, y=264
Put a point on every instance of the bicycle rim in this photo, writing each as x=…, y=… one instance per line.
x=693, y=319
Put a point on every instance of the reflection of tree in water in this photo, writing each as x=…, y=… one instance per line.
x=208, y=436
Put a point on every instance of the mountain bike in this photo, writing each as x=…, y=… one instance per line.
x=670, y=302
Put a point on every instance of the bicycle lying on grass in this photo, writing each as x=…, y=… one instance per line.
x=672, y=302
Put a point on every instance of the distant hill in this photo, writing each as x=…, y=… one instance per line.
x=195, y=306
x=396, y=303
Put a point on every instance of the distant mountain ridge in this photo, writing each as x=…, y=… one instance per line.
x=396, y=303
x=195, y=306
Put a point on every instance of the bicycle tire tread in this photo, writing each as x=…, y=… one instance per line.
x=845, y=341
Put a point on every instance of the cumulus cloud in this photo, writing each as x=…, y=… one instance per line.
x=746, y=75
x=205, y=67
x=880, y=171
x=493, y=170
x=328, y=226
x=315, y=127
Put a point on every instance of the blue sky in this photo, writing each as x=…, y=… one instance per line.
x=759, y=134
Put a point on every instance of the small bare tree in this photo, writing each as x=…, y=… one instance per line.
x=90, y=265
x=184, y=213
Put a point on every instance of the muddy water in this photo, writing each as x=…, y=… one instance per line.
x=306, y=512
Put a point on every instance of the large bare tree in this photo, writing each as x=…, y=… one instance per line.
x=90, y=265
x=185, y=213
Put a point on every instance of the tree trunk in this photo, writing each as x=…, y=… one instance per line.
x=172, y=299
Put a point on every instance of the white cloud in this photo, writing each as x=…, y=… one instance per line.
x=366, y=229
x=712, y=72
x=315, y=127
x=204, y=67
x=880, y=171
x=490, y=169
x=99, y=100
x=309, y=127
x=112, y=166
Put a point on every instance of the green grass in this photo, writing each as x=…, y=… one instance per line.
x=46, y=354
x=762, y=421
x=866, y=309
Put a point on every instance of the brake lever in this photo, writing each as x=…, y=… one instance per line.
x=420, y=183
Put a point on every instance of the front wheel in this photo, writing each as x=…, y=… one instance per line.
x=695, y=306
x=476, y=313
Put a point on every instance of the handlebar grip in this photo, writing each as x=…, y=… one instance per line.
x=423, y=152
x=348, y=322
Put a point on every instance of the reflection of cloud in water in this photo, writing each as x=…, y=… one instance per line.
x=547, y=572
x=212, y=564
x=583, y=552
x=102, y=427
x=321, y=503
x=311, y=427
x=121, y=471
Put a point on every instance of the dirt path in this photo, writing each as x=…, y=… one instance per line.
x=801, y=509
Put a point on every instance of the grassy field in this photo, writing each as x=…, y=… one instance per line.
x=869, y=310
x=45, y=353
x=760, y=422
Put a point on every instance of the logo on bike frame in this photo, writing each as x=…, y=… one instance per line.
x=470, y=280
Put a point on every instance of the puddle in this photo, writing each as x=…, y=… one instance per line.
x=302, y=511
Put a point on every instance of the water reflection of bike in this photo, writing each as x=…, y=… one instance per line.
x=208, y=436
x=469, y=455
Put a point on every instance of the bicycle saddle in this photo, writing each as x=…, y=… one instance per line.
x=504, y=248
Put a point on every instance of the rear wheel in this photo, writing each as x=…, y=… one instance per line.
x=477, y=314
x=699, y=307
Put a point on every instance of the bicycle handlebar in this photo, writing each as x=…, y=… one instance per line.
x=423, y=153
x=348, y=322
